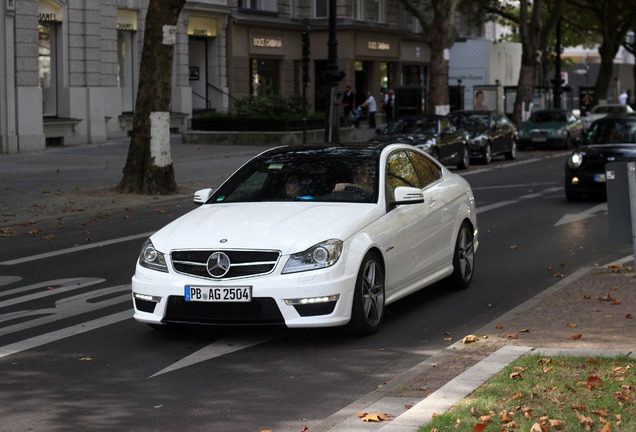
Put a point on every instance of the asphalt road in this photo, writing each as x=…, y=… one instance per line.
x=71, y=356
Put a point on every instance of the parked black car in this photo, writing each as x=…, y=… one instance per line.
x=609, y=139
x=491, y=133
x=434, y=134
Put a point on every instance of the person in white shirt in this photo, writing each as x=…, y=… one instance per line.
x=623, y=97
x=370, y=102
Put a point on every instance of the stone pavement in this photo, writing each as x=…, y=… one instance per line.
x=590, y=311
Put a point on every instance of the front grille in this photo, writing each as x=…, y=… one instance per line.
x=242, y=262
x=261, y=310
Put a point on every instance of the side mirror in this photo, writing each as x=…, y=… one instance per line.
x=408, y=195
x=202, y=196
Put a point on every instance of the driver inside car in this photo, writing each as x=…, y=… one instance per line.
x=361, y=179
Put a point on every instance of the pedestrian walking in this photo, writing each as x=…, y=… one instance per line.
x=389, y=106
x=348, y=102
x=372, y=108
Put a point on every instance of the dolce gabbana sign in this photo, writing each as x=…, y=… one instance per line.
x=263, y=42
x=379, y=46
x=266, y=43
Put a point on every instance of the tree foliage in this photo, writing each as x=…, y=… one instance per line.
x=610, y=21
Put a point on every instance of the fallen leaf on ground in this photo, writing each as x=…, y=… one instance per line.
x=577, y=336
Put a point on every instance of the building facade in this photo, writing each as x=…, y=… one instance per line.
x=71, y=67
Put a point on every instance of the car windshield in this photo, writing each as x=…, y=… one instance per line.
x=418, y=125
x=609, y=109
x=471, y=121
x=334, y=174
x=548, y=117
x=612, y=132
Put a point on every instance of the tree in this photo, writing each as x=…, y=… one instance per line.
x=442, y=33
x=534, y=34
x=612, y=20
x=148, y=166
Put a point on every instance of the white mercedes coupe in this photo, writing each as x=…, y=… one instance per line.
x=311, y=236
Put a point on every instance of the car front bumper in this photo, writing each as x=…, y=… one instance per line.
x=295, y=300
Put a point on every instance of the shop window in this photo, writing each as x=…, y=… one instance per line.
x=47, y=56
x=265, y=77
x=125, y=75
x=261, y=5
x=322, y=9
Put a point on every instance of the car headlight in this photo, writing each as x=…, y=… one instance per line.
x=321, y=255
x=151, y=258
x=575, y=160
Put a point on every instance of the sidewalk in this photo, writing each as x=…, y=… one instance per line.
x=43, y=185
x=549, y=324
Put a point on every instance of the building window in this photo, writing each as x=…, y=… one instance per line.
x=264, y=75
x=47, y=56
x=322, y=9
x=379, y=11
x=261, y=5
x=358, y=10
x=125, y=75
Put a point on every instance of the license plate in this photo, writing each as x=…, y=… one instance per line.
x=539, y=139
x=241, y=294
x=599, y=178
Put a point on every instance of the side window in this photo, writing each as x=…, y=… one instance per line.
x=400, y=172
x=447, y=126
x=427, y=170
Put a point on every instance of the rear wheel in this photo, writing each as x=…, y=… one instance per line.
x=463, y=258
x=368, y=301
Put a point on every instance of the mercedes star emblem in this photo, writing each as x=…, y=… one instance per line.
x=218, y=264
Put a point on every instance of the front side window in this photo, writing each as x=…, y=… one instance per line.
x=400, y=172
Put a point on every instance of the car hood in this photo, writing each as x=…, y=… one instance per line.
x=289, y=227
x=623, y=151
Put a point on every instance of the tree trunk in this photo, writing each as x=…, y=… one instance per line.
x=438, y=99
x=148, y=168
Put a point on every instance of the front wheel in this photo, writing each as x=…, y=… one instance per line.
x=512, y=154
x=463, y=258
x=367, y=312
x=464, y=158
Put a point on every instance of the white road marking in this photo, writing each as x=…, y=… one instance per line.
x=46, y=338
x=66, y=285
x=66, y=308
x=585, y=214
x=75, y=249
x=6, y=280
x=219, y=348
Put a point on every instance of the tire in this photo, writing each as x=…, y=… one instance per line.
x=512, y=154
x=486, y=157
x=464, y=159
x=567, y=142
x=367, y=312
x=463, y=258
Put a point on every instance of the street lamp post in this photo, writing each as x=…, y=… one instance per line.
x=333, y=76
